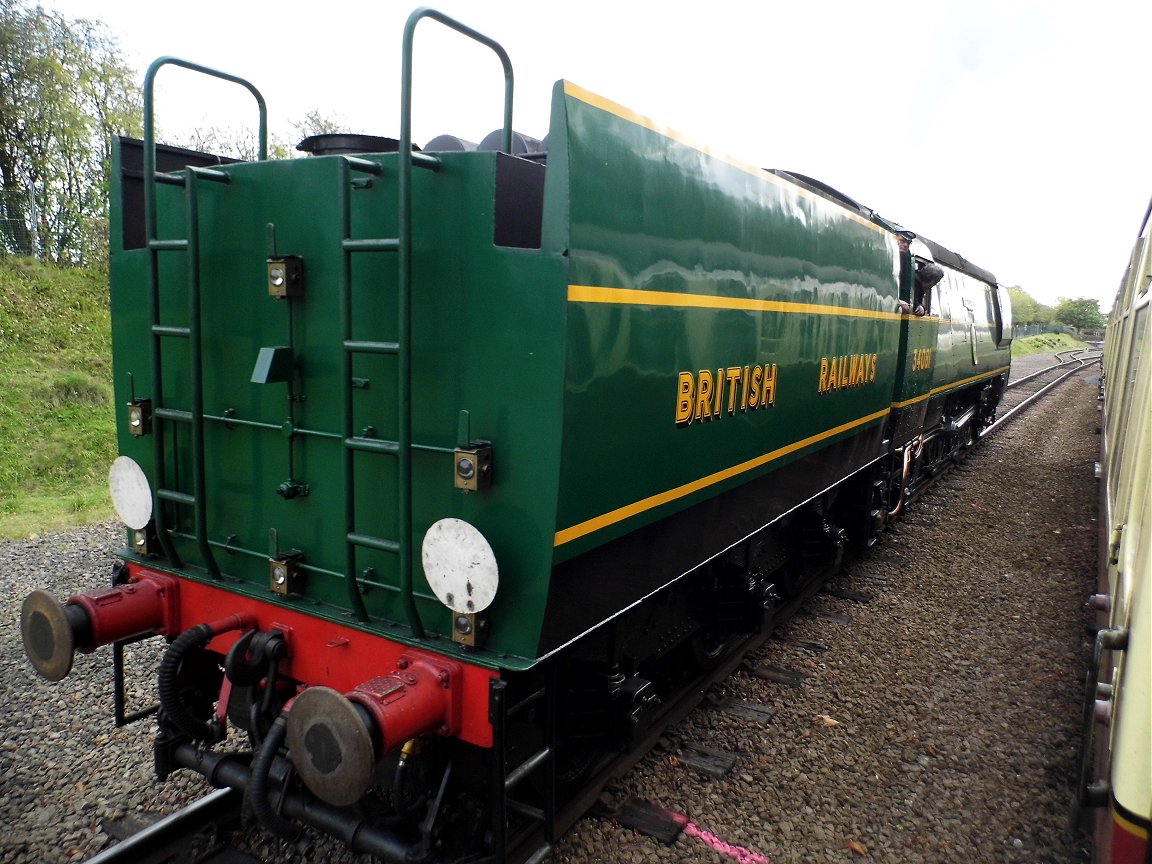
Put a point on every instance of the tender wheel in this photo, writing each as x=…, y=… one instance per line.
x=707, y=647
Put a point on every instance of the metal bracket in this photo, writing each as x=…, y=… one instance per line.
x=470, y=629
x=121, y=716
x=284, y=575
x=140, y=417
x=472, y=466
x=292, y=488
x=144, y=540
x=286, y=277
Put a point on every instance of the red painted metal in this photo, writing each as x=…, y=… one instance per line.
x=1129, y=841
x=324, y=653
x=145, y=605
x=422, y=696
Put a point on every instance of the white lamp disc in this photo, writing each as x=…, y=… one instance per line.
x=131, y=494
x=460, y=566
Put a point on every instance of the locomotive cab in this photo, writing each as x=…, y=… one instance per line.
x=919, y=274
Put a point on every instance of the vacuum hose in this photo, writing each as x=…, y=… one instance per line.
x=168, y=685
x=257, y=792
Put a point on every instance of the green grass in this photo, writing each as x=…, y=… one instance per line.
x=1045, y=343
x=57, y=426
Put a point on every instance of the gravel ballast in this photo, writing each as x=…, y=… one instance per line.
x=941, y=723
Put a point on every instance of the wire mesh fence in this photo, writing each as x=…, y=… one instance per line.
x=18, y=218
x=1021, y=330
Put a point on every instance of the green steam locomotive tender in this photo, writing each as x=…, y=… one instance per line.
x=445, y=470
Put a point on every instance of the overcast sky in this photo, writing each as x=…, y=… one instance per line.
x=1017, y=133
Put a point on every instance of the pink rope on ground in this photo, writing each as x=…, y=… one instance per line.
x=744, y=856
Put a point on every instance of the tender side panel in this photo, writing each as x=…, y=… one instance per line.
x=723, y=325
x=722, y=322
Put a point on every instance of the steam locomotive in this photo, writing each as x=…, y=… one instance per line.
x=445, y=471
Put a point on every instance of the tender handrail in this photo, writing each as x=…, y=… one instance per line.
x=154, y=246
x=406, y=78
x=404, y=262
x=150, y=124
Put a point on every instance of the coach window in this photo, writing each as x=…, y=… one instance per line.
x=1128, y=422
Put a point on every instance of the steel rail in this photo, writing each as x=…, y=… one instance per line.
x=1029, y=400
x=1047, y=369
x=168, y=837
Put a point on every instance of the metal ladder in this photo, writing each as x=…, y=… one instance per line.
x=190, y=179
x=401, y=245
x=504, y=781
x=401, y=447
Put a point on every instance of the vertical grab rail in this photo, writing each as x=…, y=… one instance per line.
x=404, y=249
x=190, y=246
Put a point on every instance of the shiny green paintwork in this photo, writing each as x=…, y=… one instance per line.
x=967, y=344
x=652, y=213
x=939, y=357
x=487, y=340
x=573, y=380
x=913, y=384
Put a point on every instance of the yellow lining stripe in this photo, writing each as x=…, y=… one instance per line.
x=639, y=297
x=1140, y=832
x=590, y=98
x=943, y=387
x=636, y=297
x=629, y=510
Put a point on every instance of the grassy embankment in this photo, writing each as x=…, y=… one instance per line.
x=57, y=424
x=1045, y=343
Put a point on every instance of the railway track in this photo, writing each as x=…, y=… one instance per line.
x=1033, y=385
x=169, y=840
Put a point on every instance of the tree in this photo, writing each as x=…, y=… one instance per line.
x=1023, y=306
x=241, y=142
x=1082, y=314
x=1026, y=310
x=65, y=91
x=315, y=123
